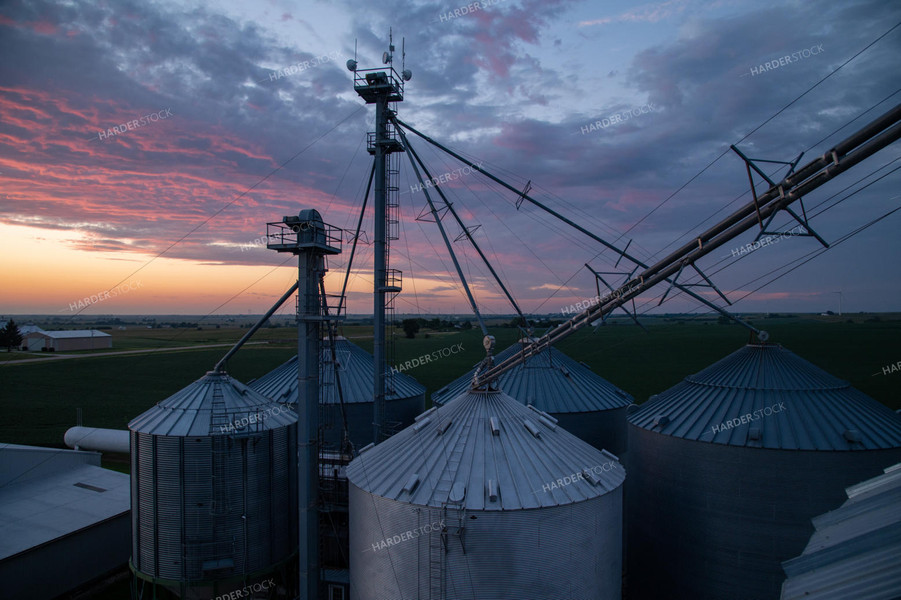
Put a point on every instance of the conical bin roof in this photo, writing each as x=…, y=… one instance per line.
x=763, y=395
x=486, y=451
x=551, y=381
x=355, y=371
x=189, y=411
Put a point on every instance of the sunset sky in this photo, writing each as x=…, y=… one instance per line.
x=168, y=211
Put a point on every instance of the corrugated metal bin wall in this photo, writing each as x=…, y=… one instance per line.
x=562, y=553
x=705, y=525
x=179, y=528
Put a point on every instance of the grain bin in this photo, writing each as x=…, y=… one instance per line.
x=584, y=403
x=214, y=493
x=485, y=498
x=728, y=467
x=355, y=370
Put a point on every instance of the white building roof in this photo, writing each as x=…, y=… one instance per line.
x=74, y=333
x=46, y=493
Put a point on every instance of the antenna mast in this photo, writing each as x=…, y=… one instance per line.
x=383, y=87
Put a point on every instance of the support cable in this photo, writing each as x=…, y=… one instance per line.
x=525, y=196
x=220, y=366
x=330, y=328
x=353, y=248
x=466, y=232
x=447, y=242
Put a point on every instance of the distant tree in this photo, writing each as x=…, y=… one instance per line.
x=515, y=322
x=10, y=336
x=466, y=325
x=411, y=327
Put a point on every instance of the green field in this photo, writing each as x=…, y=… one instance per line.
x=39, y=400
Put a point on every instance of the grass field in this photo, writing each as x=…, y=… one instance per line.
x=38, y=401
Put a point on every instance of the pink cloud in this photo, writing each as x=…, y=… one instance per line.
x=649, y=13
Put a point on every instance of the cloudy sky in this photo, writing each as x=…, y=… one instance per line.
x=620, y=114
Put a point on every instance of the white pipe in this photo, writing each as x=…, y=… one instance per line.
x=95, y=438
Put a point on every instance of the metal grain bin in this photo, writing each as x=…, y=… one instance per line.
x=355, y=371
x=856, y=549
x=584, y=403
x=728, y=467
x=485, y=498
x=214, y=492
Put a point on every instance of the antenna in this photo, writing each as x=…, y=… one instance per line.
x=388, y=57
x=404, y=73
x=352, y=63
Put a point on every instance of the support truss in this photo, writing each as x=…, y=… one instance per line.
x=750, y=163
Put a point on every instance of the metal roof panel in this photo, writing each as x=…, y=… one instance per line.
x=791, y=403
x=855, y=550
x=38, y=510
x=522, y=467
x=551, y=381
x=189, y=412
x=355, y=372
